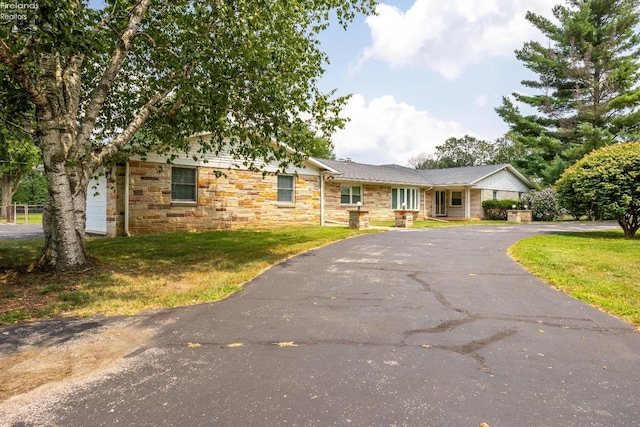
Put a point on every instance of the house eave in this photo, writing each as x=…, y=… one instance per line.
x=379, y=182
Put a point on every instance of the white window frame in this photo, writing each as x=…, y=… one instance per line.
x=353, y=198
x=408, y=195
x=280, y=187
x=457, y=205
x=183, y=184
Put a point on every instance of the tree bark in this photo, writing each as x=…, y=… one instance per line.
x=64, y=216
x=63, y=221
x=630, y=223
x=7, y=182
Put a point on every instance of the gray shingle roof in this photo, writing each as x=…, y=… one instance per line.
x=395, y=174
x=464, y=175
x=389, y=174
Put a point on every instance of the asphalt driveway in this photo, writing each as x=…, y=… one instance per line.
x=16, y=231
x=433, y=327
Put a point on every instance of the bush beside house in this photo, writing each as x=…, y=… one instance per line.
x=497, y=209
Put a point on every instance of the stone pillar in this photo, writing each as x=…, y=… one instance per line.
x=358, y=219
x=404, y=217
x=519, y=216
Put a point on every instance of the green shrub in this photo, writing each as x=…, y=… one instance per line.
x=497, y=209
x=605, y=184
x=543, y=204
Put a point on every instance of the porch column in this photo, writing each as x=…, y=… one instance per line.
x=467, y=206
x=322, y=177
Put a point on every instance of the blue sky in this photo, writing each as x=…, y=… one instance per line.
x=422, y=71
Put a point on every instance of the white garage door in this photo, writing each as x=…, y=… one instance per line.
x=97, y=206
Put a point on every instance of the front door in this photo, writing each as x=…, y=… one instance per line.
x=441, y=206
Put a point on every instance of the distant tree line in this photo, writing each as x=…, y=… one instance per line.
x=469, y=151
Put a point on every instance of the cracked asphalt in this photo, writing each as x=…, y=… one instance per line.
x=435, y=327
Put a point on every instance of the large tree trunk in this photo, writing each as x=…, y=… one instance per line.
x=9, y=183
x=64, y=217
x=8, y=190
x=65, y=166
x=63, y=223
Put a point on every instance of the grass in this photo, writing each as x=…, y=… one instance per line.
x=599, y=268
x=147, y=272
x=34, y=218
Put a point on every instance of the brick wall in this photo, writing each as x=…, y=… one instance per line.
x=239, y=199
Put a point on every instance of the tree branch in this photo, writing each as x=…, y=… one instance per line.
x=27, y=131
x=12, y=62
x=99, y=93
x=107, y=152
x=26, y=49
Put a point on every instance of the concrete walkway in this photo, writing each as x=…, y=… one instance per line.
x=434, y=327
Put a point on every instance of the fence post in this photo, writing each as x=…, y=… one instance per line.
x=26, y=214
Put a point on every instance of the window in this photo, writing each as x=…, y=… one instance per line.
x=285, y=188
x=456, y=198
x=405, y=198
x=350, y=195
x=495, y=194
x=183, y=184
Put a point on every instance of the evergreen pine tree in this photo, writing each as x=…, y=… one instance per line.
x=587, y=94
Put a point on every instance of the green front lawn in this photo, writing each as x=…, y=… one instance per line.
x=598, y=268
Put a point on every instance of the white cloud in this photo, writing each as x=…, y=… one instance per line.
x=385, y=131
x=449, y=35
x=482, y=100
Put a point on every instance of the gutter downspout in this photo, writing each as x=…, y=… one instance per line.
x=126, y=200
x=322, y=199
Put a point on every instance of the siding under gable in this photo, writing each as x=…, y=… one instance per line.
x=504, y=181
x=222, y=161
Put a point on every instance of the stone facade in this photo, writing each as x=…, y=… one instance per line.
x=139, y=195
x=236, y=199
x=376, y=199
x=476, y=211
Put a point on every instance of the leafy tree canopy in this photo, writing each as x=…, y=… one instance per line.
x=587, y=94
x=32, y=189
x=469, y=151
x=145, y=74
x=605, y=183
